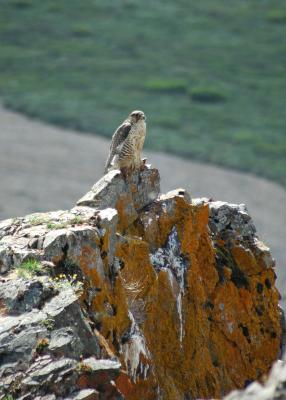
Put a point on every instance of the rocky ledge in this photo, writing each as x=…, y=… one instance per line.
x=135, y=295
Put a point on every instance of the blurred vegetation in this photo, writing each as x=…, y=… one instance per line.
x=210, y=75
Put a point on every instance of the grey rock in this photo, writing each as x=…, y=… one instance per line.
x=18, y=337
x=67, y=244
x=230, y=221
x=86, y=394
x=63, y=341
x=107, y=217
x=55, y=243
x=22, y=296
x=99, y=365
x=6, y=258
x=200, y=201
x=66, y=311
x=177, y=193
x=39, y=372
x=142, y=186
x=79, y=236
x=107, y=222
x=48, y=376
x=84, y=212
x=104, y=193
x=169, y=258
x=9, y=226
x=59, y=320
x=261, y=250
x=14, y=251
x=147, y=184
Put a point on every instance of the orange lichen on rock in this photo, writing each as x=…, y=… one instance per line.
x=191, y=305
x=164, y=297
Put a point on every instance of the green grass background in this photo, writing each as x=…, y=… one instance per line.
x=210, y=74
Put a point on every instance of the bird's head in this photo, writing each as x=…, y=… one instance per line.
x=137, y=115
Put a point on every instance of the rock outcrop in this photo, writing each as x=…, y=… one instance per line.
x=135, y=295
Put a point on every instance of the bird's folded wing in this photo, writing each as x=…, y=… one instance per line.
x=117, y=141
x=121, y=134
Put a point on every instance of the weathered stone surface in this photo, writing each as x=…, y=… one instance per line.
x=36, y=311
x=100, y=374
x=274, y=388
x=104, y=194
x=87, y=394
x=125, y=194
x=141, y=187
x=140, y=296
x=20, y=296
x=101, y=365
x=231, y=221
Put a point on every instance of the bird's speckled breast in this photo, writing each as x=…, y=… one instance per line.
x=138, y=133
x=130, y=155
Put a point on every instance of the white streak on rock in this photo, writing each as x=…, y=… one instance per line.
x=133, y=350
x=179, y=308
x=230, y=326
x=170, y=260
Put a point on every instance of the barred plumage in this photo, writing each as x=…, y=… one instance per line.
x=127, y=143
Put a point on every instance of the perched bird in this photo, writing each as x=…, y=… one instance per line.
x=127, y=143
